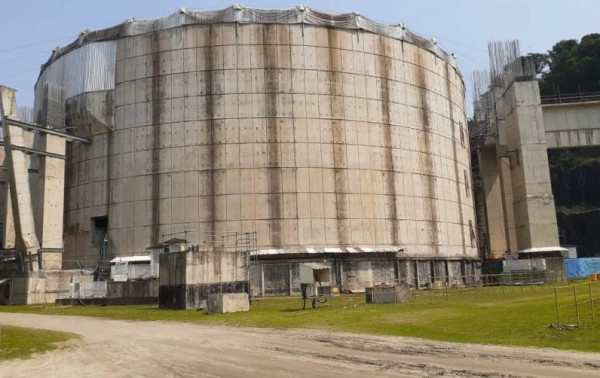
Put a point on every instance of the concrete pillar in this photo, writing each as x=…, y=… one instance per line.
x=9, y=223
x=17, y=163
x=507, y=203
x=490, y=173
x=533, y=204
x=52, y=184
x=6, y=217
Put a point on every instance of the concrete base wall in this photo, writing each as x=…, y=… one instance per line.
x=195, y=296
x=187, y=278
x=223, y=303
x=51, y=260
x=47, y=287
x=132, y=293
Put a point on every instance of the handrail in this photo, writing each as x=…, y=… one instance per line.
x=570, y=98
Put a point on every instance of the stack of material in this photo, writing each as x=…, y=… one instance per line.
x=388, y=293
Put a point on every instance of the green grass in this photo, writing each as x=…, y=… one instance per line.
x=20, y=342
x=507, y=316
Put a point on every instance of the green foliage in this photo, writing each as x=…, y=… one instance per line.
x=500, y=315
x=20, y=342
x=540, y=62
x=570, y=66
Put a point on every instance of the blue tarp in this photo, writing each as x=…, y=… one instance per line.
x=577, y=268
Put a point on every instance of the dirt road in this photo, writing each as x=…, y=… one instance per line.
x=157, y=349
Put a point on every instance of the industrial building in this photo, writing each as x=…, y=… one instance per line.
x=330, y=136
x=514, y=131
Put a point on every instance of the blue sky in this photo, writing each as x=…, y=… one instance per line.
x=29, y=30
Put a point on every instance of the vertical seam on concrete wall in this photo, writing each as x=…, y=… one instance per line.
x=337, y=135
x=455, y=160
x=388, y=158
x=296, y=166
x=109, y=156
x=426, y=157
x=156, y=95
x=271, y=88
x=208, y=81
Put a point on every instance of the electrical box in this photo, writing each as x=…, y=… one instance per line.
x=311, y=273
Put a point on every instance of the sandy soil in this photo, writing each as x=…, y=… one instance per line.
x=157, y=349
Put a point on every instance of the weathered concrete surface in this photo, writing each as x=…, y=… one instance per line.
x=90, y=113
x=575, y=124
x=310, y=136
x=132, y=292
x=52, y=192
x=44, y=287
x=188, y=278
x=533, y=203
x=157, y=349
x=492, y=185
x=223, y=303
x=17, y=163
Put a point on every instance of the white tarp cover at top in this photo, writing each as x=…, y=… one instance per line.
x=88, y=63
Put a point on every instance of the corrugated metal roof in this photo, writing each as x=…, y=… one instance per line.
x=543, y=249
x=131, y=259
x=316, y=266
x=313, y=250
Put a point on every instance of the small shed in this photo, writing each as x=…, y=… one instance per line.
x=128, y=268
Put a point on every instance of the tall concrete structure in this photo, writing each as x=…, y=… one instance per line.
x=32, y=207
x=517, y=146
x=318, y=131
x=520, y=112
x=513, y=130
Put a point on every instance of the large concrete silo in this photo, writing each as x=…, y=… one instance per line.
x=316, y=130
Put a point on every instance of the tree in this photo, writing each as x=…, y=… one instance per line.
x=570, y=66
x=540, y=62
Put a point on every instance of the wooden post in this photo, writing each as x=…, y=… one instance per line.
x=591, y=302
x=556, y=306
x=576, y=307
x=290, y=270
x=262, y=279
x=341, y=283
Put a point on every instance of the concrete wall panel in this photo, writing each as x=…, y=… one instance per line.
x=313, y=137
